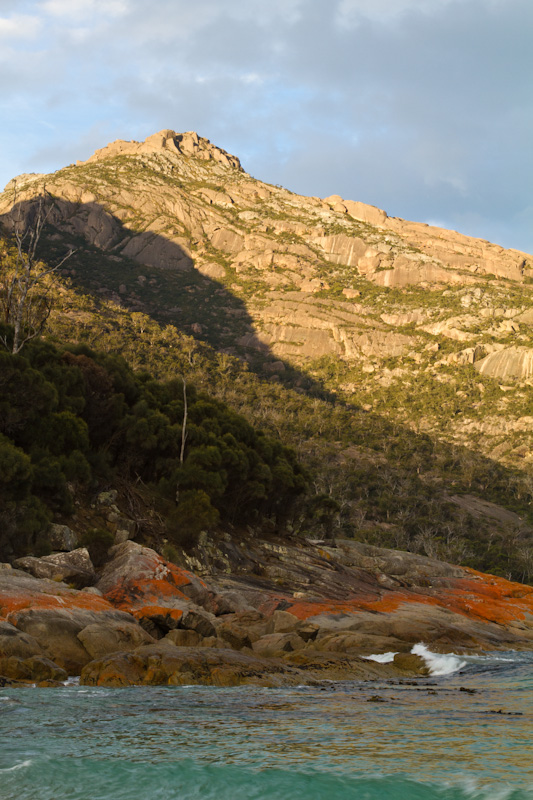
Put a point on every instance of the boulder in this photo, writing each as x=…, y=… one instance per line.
x=101, y=639
x=413, y=664
x=308, y=632
x=73, y=567
x=138, y=578
x=276, y=644
x=57, y=631
x=16, y=643
x=198, y=621
x=234, y=635
x=61, y=537
x=35, y=668
x=282, y=622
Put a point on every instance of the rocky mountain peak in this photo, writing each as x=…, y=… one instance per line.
x=169, y=142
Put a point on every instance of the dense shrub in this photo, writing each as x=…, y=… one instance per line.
x=75, y=416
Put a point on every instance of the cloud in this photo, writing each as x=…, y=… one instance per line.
x=81, y=9
x=19, y=26
x=421, y=107
x=352, y=12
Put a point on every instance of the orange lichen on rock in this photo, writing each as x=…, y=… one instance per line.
x=138, y=577
x=476, y=595
x=490, y=598
x=61, y=599
x=141, y=593
x=148, y=612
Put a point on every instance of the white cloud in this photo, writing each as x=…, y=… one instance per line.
x=81, y=9
x=21, y=26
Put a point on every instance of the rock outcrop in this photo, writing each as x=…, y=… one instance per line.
x=358, y=600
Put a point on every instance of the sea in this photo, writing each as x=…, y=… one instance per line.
x=466, y=731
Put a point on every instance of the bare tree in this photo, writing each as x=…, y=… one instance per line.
x=25, y=282
x=184, y=425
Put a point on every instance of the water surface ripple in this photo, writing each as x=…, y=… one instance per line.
x=465, y=735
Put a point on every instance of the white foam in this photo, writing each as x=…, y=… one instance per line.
x=22, y=765
x=381, y=658
x=439, y=663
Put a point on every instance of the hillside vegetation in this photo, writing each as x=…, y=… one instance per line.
x=72, y=419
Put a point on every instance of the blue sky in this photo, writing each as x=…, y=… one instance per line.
x=421, y=107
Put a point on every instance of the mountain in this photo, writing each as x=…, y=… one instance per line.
x=394, y=356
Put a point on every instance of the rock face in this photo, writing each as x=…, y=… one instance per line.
x=357, y=600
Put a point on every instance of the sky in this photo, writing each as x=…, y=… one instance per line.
x=421, y=107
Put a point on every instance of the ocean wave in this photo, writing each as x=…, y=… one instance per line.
x=439, y=663
x=187, y=780
x=381, y=658
x=16, y=767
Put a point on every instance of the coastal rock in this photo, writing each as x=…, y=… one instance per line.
x=57, y=632
x=139, y=580
x=101, y=639
x=200, y=622
x=49, y=616
x=276, y=644
x=183, y=638
x=167, y=664
x=410, y=663
x=282, y=622
x=16, y=643
x=35, y=668
x=234, y=635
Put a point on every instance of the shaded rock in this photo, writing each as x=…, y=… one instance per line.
x=158, y=621
x=307, y=632
x=411, y=663
x=230, y=602
x=274, y=644
x=167, y=664
x=61, y=537
x=198, y=621
x=35, y=668
x=107, y=498
x=183, y=638
x=74, y=567
x=234, y=635
x=16, y=643
x=100, y=639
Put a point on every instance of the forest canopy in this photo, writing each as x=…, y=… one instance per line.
x=73, y=419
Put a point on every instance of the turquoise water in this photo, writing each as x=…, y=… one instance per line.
x=418, y=740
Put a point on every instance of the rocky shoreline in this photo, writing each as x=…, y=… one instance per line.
x=313, y=614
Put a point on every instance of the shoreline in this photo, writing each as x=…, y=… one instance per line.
x=147, y=621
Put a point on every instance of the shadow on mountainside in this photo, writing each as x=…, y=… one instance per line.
x=148, y=273
x=410, y=480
